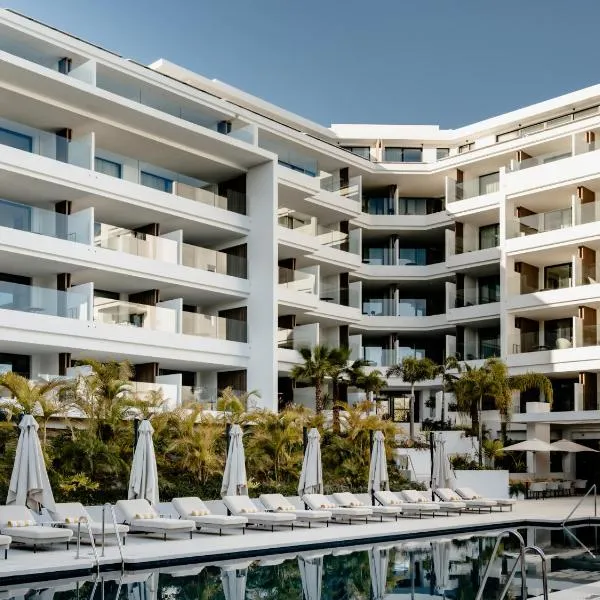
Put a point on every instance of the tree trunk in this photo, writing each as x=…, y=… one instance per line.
x=412, y=412
x=318, y=397
x=474, y=418
x=443, y=415
x=336, y=418
x=480, y=430
x=503, y=430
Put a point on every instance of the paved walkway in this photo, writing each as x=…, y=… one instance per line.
x=146, y=552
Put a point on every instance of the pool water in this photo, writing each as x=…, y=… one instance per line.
x=446, y=567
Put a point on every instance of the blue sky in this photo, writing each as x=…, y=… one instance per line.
x=447, y=62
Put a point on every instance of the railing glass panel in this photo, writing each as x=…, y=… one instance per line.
x=213, y=327
x=43, y=301
x=297, y=280
x=129, y=314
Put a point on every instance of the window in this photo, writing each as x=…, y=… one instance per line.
x=490, y=183
x=489, y=343
x=157, y=182
x=107, y=167
x=466, y=147
x=557, y=276
x=489, y=289
x=489, y=236
x=16, y=140
x=379, y=206
x=15, y=216
x=392, y=154
x=362, y=151
x=377, y=256
x=412, y=308
x=441, y=153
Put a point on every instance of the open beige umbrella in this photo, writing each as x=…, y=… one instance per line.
x=532, y=445
x=569, y=446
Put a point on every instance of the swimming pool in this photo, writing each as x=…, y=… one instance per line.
x=442, y=567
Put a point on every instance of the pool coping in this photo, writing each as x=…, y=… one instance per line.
x=133, y=564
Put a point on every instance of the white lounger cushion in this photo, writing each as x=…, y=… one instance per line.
x=469, y=494
x=5, y=541
x=448, y=495
x=131, y=510
x=38, y=533
x=243, y=506
x=185, y=507
x=280, y=504
x=418, y=502
x=73, y=511
x=348, y=500
x=451, y=505
x=388, y=498
x=320, y=502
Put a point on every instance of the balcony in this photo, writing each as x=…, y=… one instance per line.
x=168, y=250
x=481, y=350
x=386, y=357
x=297, y=289
x=351, y=189
x=465, y=306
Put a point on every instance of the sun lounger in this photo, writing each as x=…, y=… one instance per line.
x=338, y=513
x=350, y=500
x=193, y=509
x=242, y=506
x=409, y=509
x=18, y=523
x=448, y=495
x=278, y=503
x=70, y=513
x=467, y=494
x=421, y=503
x=143, y=518
x=5, y=541
x=453, y=506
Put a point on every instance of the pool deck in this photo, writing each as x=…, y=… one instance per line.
x=143, y=552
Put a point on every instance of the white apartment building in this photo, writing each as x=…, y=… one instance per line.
x=154, y=215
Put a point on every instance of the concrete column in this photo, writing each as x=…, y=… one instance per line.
x=261, y=184
x=538, y=463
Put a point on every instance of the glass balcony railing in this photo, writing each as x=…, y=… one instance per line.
x=535, y=341
x=542, y=159
x=342, y=296
x=463, y=300
x=297, y=280
x=130, y=314
x=43, y=301
x=386, y=357
x=541, y=222
x=214, y=327
x=76, y=152
x=386, y=307
x=296, y=338
x=166, y=250
x=481, y=350
x=472, y=188
x=350, y=189
x=233, y=201
x=74, y=228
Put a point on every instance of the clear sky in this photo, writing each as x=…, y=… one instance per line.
x=446, y=62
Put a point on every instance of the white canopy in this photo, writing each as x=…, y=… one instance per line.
x=532, y=445
x=234, y=476
x=29, y=483
x=378, y=567
x=311, y=477
x=569, y=446
x=143, y=479
x=442, y=476
x=378, y=472
x=311, y=575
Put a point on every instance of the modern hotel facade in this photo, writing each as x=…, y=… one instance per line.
x=153, y=215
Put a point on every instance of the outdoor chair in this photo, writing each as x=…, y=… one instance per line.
x=71, y=513
x=452, y=506
x=552, y=488
x=242, y=506
x=409, y=509
x=580, y=486
x=537, y=489
x=141, y=517
x=278, y=503
x=193, y=509
x=467, y=494
x=566, y=488
x=18, y=523
x=338, y=512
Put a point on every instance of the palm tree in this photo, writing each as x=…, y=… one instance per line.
x=43, y=399
x=413, y=370
x=235, y=405
x=445, y=370
x=320, y=362
x=370, y=383
x=492, y=380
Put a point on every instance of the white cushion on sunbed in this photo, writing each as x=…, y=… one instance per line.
x=414, y=501
x=243, y=506
x=279, y=503
x=469, y=494
x=38, y=533
x=388, y=498
x=5, y=540
x=131, y=510
x=73, y=511
x=347, y=500
x=451, y=505
x=448, y=495
x=192, y=504
x=15, y=512
x=319, y=501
